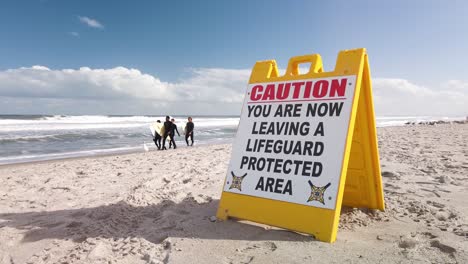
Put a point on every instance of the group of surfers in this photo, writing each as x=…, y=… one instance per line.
x=169, y=131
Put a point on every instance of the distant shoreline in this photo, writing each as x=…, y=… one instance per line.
x=99, y=155
x=152, y=150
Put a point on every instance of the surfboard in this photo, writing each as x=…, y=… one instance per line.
x=157, y=128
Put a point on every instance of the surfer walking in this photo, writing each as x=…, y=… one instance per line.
x=173, y=129
x=157, y=137
x=167, y=130
x=189, y=131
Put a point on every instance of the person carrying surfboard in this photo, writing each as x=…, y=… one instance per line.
x=157, y=137
x=189, y=130
x=172, y=134
x=167, y=130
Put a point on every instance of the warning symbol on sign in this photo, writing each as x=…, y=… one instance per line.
x=237, y=181
x=316, y=193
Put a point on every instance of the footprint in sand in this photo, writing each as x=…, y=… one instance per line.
x=185, y=181
x=419, y=245
x=247, y=254
x=390, y=175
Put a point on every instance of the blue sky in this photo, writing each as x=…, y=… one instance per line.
x=421, y=42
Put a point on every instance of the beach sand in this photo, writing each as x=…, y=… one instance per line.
x=158, y=207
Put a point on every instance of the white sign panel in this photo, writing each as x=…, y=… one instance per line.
x=290, y=140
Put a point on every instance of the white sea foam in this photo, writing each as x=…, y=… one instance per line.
x=101, y=122
x=115, y=122
x=27, y=138
x=385, y=121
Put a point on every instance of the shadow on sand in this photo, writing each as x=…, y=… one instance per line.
x=154, y=223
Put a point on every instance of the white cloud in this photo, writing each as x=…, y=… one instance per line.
x=205, y=88
x=122, y=90
x=74, y=34
x=90, y=22
x=401, y=97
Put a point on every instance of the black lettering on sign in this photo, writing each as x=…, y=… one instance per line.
x=308, y=148
x=249, y=109
x=274, y=185
x=278, y=165
x=319, y=130
x=335, y=109
x=269, y=184
x=281, y=128
x=286, y=165
x=323, y=109
x=248, y=148
x=298, y=164
x=260, y=184
x=244, y=161
x=259, y=110
x=317, y=169
x=261, y=164
x=306, y=168
x=318, y=150
x=279, y=185
x=288, y=188
x=279, y=111
x=288, y=110
x=305, y=148
x=297, y=148
x=254, y=131
x=252, y=162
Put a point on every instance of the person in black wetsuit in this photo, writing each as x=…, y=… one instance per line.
x=189, y=131
x=167, y=130
x=172, y=134
x=157, y=138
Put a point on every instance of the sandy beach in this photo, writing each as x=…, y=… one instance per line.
x=159, y=207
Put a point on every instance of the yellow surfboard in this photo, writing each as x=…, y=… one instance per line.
x=157, y=128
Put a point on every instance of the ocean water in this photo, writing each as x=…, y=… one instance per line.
x=34, y=138
x=40, y=137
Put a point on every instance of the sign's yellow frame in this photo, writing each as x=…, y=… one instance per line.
x=360, y=182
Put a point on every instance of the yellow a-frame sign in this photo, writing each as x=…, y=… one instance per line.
x=305, y=145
